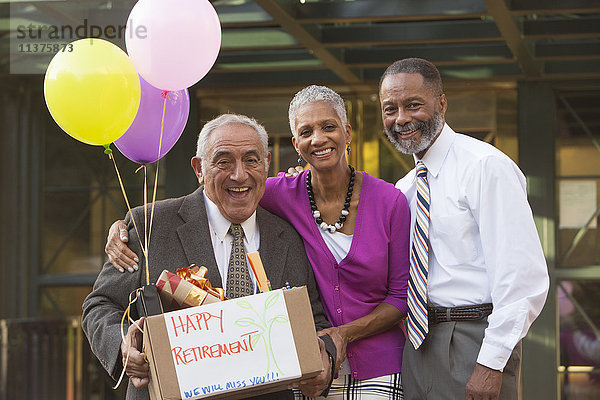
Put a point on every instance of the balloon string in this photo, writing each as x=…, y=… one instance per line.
x=146, y=230
x=108, y=152
x=162, y=126
x=146, y=235
x=127, y=315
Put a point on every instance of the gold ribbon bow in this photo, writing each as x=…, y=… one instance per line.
x=195, y=276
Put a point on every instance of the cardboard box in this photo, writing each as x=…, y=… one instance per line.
x=233, y=349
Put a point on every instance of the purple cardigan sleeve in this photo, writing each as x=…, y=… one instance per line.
x=269, y=201
x=399, y=255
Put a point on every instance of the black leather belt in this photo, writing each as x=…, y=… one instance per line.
x=463, y=313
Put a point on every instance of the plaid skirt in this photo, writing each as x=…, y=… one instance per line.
x=387, y=387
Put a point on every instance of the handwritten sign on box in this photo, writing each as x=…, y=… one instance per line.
x=164, y=381
x=248, y=337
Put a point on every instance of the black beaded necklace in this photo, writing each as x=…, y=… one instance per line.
x=313, y=205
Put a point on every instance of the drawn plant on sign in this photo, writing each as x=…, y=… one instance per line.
x=264, y=326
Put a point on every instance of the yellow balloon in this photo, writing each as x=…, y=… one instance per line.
x=92, y=91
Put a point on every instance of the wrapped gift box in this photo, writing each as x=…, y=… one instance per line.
x=187, y=288
x=232, y=349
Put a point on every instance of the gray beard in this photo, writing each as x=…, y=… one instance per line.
x=429, y=132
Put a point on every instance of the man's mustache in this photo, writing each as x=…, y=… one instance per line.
x=408, y=127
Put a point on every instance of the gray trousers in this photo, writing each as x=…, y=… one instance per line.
x=443, y=364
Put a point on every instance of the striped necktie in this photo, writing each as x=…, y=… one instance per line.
x=417, y=281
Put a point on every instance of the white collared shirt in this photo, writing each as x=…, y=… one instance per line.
x=484, y=246
x=222, y=240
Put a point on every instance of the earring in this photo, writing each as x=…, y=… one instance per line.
x=300, y=159
x=348, y=148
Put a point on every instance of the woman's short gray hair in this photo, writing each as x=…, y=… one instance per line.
x=225, y=119
x=316, y=93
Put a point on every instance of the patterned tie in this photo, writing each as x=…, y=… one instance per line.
x=417, y=281
x=239, y=283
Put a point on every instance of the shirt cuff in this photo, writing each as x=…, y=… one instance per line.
x=493, y=357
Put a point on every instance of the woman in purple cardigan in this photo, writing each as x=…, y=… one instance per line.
x=356, y=233
x=355, y=230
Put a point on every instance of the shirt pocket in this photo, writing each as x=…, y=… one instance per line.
x=454, y=238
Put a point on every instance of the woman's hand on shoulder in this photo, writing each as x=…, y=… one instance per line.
x=119, y=254
x=294, y=171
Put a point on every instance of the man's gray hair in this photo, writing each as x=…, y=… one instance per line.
x=316, y=93
x=429, y=72
x=225, y=119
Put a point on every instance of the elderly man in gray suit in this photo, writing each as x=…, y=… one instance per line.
x=207, y=227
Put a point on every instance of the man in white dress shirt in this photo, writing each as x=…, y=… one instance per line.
x=487, y=278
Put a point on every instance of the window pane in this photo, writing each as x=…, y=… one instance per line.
x=578, y=170
x=62, y=301
x=579, y=318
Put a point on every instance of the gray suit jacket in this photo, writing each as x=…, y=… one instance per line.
x=180, y=237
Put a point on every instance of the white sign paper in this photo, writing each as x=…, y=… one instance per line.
x=232, y=345
x=577, y=203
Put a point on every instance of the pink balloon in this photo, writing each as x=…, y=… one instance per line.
x=141, y=141
x=173, y=43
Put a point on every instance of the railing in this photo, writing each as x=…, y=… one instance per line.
x=50, y=359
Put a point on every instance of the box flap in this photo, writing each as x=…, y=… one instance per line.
x=305, y=335
x=164, y=383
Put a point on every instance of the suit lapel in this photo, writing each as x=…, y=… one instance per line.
x=195, y=238
x=273, y=249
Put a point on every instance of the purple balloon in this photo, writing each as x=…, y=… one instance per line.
x=140, y=142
